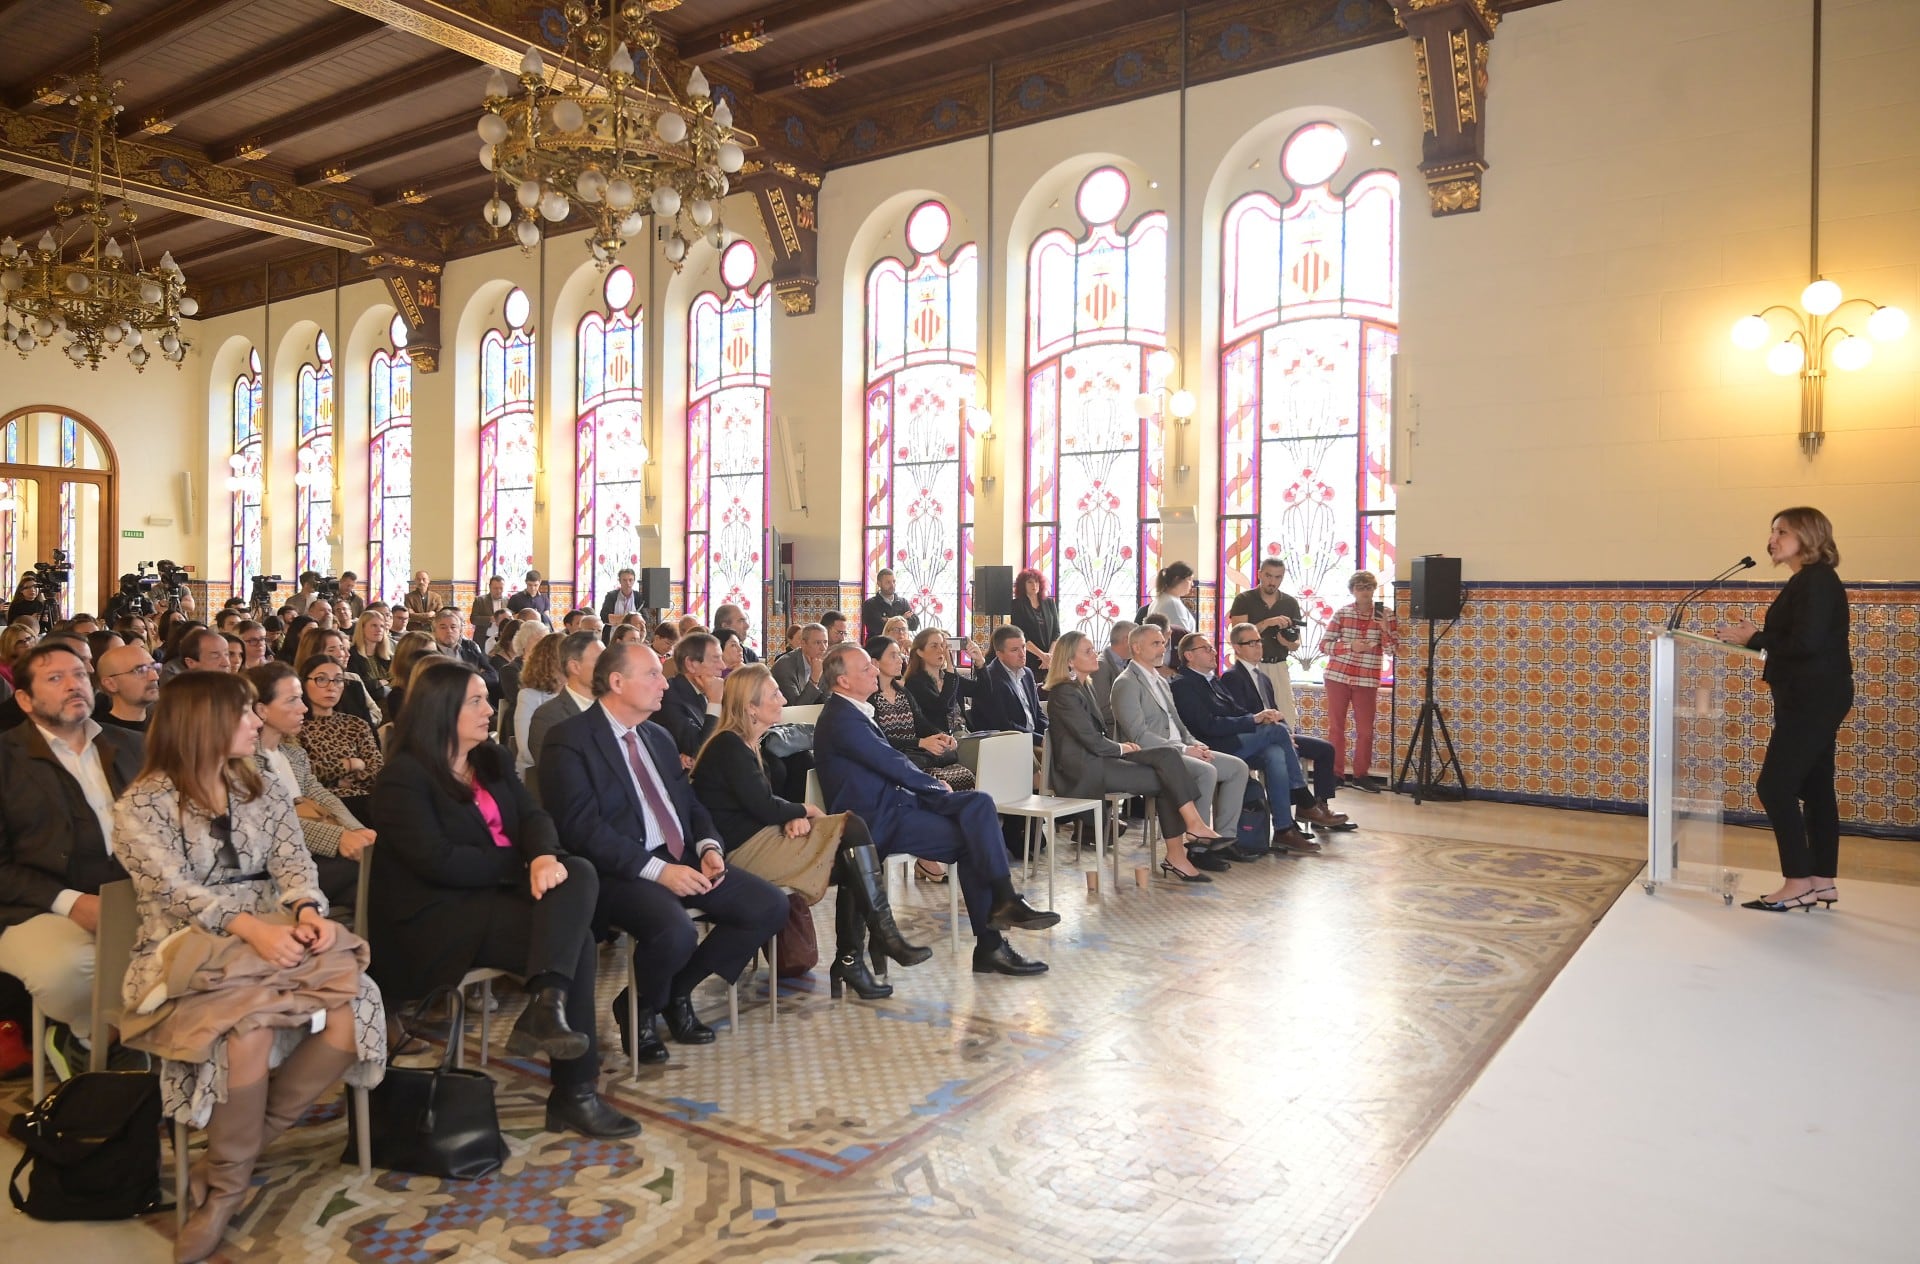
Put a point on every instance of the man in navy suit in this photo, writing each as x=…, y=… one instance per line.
x=1008, y=698
x=690, y=709
x=1251, y=689
x=907, y=810
x=617, y=793
x=1265, y=743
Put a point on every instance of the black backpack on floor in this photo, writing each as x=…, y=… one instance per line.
x=1256, y=820
x=94, y=1144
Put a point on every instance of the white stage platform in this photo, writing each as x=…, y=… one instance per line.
x=1700, y=1084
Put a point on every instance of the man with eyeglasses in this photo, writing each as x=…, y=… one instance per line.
x=130, y=681
x=1251, y=689
x=62, y=771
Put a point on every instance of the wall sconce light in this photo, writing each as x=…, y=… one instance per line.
x=1164, y=399
x=979, y=423
x=239, y=482
x=304, y=476
x=1814, y=338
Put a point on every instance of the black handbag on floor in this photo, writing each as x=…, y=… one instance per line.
x=94, y=1145
x=437, y=1121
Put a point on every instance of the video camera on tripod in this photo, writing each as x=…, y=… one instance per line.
x=48, y=579
x=260, y=598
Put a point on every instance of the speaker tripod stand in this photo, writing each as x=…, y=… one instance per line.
x=1429, y=733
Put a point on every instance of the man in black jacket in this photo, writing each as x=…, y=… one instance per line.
x=446, y=634
x=1008, y=698
x=884, y=605
x=618, y=795
x=691, y=707
x=62, y=772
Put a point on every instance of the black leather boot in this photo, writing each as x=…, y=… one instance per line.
x=849, y=966
x=579, y=1108
x=860, y=872
x=543, y=1029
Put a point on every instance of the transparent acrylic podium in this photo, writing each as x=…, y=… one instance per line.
x=1688, y=778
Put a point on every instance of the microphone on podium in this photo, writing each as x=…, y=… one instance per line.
x=1673, y=620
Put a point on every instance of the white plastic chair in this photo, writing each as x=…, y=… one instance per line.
x=1048, y=809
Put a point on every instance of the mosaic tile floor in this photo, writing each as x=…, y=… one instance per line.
x=1227, y=1072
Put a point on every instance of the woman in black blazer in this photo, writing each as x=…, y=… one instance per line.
x=468, y=872
x=1038, y=618
x=1810, y=670
x=933, y=683
x=796, y=846
x=1087, y=764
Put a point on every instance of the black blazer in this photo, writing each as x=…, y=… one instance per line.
x=1040, y=626
x=683, y=714
x=732, y=782
x=998, y=706
x=876, y=610
x=473, y=656
x=435, y=852
x=1805, y=634
x=50, y=838
x=584, y=774
x=938, y=704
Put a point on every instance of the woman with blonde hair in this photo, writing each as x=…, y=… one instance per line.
x=795, y=845
x=255, y=1003
x=1087, y=764
x=1810, y=673
x=541, y=681
x=370, y=651
x=509, y=659
x=15, y=641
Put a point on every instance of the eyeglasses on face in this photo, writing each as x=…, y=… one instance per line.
x=331, y=682
x=144, y=669
x=1246, y=640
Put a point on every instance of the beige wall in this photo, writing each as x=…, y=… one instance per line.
x=1572, y=406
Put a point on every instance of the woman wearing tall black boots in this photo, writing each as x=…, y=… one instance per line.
x=1810, y=670
x=796, y=845
x=468, y=872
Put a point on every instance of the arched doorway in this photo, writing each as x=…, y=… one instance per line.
x=59, y=490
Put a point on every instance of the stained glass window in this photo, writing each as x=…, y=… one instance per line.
x=730, y=371
x=390, y=470
x=1096, y=308
x=1309, y=326
x=69, y=492
x=509, y=443
x=313, y=470
x=922, y=334
x=12, y=514
x=610, y=451
x=247, y=485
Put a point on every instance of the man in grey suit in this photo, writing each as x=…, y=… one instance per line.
x=1144, y=714
x=1113, y=661
x=799, y=672
x=579, y=652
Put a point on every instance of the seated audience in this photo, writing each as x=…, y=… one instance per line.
x=906, y=727
x=623, y=802
x=222, y=878
x=203, y=649
x=409, y=652
x=448, y=636
x=627, y=634
x=289, y=651
x=796, y=846
x=15, y=641
x=1008, y=698
x=1113, y=661
x=355, y=697
x=733, y=652
x=798, y=673
x=370, y=652
x=1251, y=688
x=346, y=756
x=509, y=660
x=733, y=617
x=333, y=834
x=662, y=640
x=578, y=653
x=908, y=811
x=469, y=872
x=836, y=625
x=130, y=684
x=1145, y=714
x=1263, y=741
x=1087, y=764
x=256, y=643
x=691, y=707
x=62, y=772
x=13, y=710
x=936, y=686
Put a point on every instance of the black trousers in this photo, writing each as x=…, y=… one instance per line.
x=1318, y=752
x=340, y=882
x=669, y=957
x=1796, y=777
x=550, y=935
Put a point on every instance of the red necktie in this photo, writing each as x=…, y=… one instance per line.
x=662, y=811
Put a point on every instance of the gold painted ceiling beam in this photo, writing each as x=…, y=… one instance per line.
x=788, y=18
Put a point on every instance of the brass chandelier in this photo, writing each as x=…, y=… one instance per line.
x=610, y=139
x=102, y=299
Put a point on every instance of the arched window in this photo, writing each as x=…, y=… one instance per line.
x=390, y=469
x=247, y=482
x=1096, y=308
x=313, y=468
x=13, y=542
x=508, y=444
x=922, y=334
x=610, y=451
x=730, y=370
x=1309, y=319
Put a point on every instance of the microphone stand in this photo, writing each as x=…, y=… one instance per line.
x=1673, y=620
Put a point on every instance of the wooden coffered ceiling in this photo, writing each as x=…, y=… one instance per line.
x=273, y=143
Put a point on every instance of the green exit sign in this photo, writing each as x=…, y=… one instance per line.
x=133, y=535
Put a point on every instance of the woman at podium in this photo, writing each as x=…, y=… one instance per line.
x=1810, y=671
